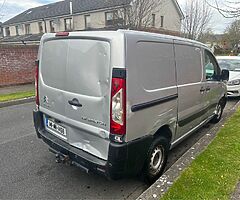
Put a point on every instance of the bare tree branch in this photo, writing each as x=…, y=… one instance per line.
x=197, y=18
x=139, y=14
x=228, y=9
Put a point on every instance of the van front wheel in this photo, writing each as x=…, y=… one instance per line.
x=218, y=113
x=156, y=160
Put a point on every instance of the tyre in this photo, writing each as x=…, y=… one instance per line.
x=218, y=113
x=156, y=159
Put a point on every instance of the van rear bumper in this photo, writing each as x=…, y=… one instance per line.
x=124, y=160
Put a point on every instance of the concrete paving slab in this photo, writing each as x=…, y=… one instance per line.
x=236, y=194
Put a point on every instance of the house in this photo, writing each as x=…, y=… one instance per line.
x=78, y=15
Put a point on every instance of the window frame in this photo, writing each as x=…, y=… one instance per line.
x=27, y=29
x=217, y=69
x=40, y=24
x=7, y=31
x=153, y=20
x=116, y=19
x=86, y=24
x=52, y=28
x=65, y=24
x=17, y=29
x=162, y=21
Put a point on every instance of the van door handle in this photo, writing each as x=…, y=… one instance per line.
x=75, y=102
x=202, y=89
x=208, y=89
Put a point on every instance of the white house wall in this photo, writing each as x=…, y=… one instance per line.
x=79, y=22
x=172, y=21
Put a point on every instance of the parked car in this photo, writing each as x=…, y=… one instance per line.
x=116, y=102
x=231, y=63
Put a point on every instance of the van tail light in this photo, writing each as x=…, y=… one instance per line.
x=118, y=103
x=36, y=83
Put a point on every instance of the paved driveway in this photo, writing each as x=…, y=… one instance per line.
x=28, y=170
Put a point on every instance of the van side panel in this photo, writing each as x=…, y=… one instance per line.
x=151, y=86
x=189, y=79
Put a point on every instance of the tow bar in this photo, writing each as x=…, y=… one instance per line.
x=60, y=157
x=64, y=159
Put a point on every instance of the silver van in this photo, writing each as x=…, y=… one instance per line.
x=116, y=102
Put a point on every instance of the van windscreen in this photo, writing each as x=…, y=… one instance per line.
x=76, y=65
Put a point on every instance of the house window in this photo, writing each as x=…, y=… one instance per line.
x=87, y=21
x=153, y=20
x=17, y=29
x=7, y=31
x=27, y=29
x=68, y=24
x=40, y=26
x=113, y=19
x=52, y=28
x=162, y=21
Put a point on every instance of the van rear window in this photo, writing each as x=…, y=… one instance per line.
x=76, y=65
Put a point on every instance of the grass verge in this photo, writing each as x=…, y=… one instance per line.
x=215, y=172
x=17, y=95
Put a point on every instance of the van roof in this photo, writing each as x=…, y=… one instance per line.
x=158, y=35
x=132, y=32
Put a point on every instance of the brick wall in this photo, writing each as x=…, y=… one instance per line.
x=17, y=64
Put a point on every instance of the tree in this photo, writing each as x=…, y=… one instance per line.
x=139, y=14
x=208, y=37
x=227, y=8
x=232, y=34
x=197, y=17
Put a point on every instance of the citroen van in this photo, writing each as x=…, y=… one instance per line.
x=116, y=102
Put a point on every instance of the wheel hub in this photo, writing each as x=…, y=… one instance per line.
x=218, y=111
x=156, y=160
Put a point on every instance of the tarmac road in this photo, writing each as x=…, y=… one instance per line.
x=28, y=170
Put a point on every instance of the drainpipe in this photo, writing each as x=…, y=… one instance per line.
x=71, y=13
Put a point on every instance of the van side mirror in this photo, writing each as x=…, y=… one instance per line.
x=225, y=75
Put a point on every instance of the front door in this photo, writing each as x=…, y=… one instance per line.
x=213, y=85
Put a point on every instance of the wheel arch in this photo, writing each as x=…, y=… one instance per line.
x=223, y=101
x=165, y=131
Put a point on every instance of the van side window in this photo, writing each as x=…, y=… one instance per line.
x=155, y=64
x=212, y=70
x=189, y=62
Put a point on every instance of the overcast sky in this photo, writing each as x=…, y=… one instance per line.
x=10, y=8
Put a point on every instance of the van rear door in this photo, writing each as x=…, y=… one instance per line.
x=75, y=90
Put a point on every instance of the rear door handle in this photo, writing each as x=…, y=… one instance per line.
x=75, y=102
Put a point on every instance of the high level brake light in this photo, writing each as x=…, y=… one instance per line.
x=36, y=83
x=62, y=34
x=118, y=103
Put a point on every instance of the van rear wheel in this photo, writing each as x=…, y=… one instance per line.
x=156, y=159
